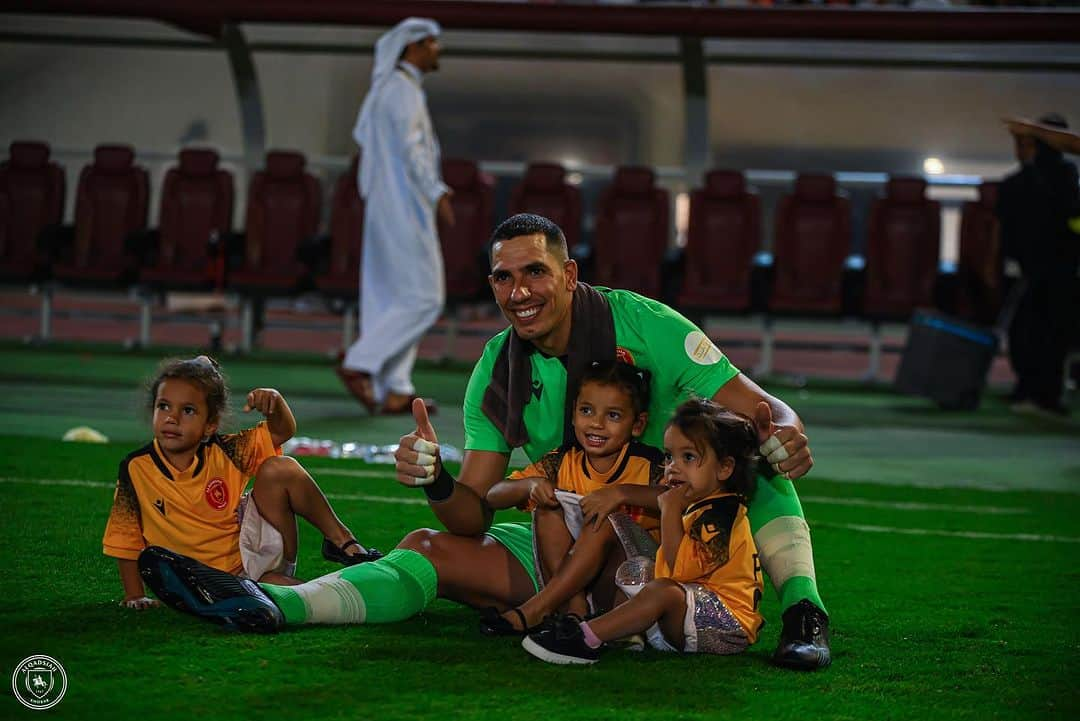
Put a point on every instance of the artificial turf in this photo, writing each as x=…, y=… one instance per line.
x=948, y=600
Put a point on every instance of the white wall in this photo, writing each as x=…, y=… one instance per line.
x=789, y=116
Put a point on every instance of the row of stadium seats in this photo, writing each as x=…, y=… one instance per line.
x=281, y=251
x=811, y=270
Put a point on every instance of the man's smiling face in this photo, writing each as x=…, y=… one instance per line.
x=534, y=289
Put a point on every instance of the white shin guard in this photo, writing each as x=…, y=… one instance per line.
x=785, y=549
x=332, y=599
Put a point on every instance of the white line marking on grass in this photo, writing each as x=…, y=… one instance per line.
x=99, y=484
x=58, y=482
x=351, y=472
x=950, y=534
x=914, y=506
x=420, y=501
x=378, y=499
x=861, y=502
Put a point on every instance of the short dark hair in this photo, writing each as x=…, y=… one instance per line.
x=530, y=224
x=204, y=372
x=630, y=379
x=730, y=434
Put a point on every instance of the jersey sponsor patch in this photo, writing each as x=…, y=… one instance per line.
x=621, y=354
x=700, y=349
x=217, y=495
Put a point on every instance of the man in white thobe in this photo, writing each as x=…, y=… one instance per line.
x=402, y=288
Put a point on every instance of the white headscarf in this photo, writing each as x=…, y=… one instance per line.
x=388, y=51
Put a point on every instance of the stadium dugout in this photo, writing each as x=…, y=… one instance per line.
x=220, y=27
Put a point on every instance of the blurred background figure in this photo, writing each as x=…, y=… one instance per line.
x=1035, y=206
x=402, y=289
x=1056, y=137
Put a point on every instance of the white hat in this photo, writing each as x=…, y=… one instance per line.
x=394, y=41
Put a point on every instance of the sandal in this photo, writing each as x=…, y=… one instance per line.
x=358, y=383
x=493, y=624
x=337, y=553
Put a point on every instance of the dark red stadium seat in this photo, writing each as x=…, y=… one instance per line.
x=110, y=207
x=342, y=276
x=979, y=271
x=283, y=209
x=196, y=206
x=31, y=199
x=464, y=245
x=544, y=191
x=632, y=231
x=903, y=247
x=340, y=265
x=723, y=237
x=812, y=238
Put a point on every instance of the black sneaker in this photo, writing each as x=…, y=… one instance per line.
x=333, y=553
x=804, y=640
x=193, y=587
x=560, y=640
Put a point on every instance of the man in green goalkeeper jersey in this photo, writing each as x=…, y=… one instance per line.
x=516, y=397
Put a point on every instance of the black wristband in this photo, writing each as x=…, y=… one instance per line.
x=442, y=488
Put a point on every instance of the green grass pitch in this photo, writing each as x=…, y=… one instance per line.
x=946, y=549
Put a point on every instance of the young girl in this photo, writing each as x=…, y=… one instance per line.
x=608, y=473
x=707, y=585
x=184, y=489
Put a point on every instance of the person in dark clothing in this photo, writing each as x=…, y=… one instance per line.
x=1035, y=205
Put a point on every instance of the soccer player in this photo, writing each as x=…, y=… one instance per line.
x=517, y=397
x=184, y=489
x=707, y=585
x=615, y=477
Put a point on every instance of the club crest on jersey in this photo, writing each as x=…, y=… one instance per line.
x=217, y=495
x=625, y=356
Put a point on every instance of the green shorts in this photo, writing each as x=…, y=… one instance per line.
x=516, y=536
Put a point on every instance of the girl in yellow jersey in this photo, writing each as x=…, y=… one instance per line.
x=703, y=596
x=605, y=472
x=185, y=489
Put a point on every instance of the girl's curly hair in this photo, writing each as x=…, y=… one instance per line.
x=632, y=380
x=709, y=425
x=204, y=372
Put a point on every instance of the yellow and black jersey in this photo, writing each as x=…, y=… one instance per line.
x=193, y=510
x=568, y=469
x=718, y=552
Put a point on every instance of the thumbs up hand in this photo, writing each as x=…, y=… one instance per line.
x=786, y=448
x=417, y=456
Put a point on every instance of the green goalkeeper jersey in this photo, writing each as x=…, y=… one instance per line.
x=648, y=334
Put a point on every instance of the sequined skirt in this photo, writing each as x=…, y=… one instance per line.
x=708, y=627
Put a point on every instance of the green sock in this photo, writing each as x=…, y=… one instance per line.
x=395, y=587
x=783, y=541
